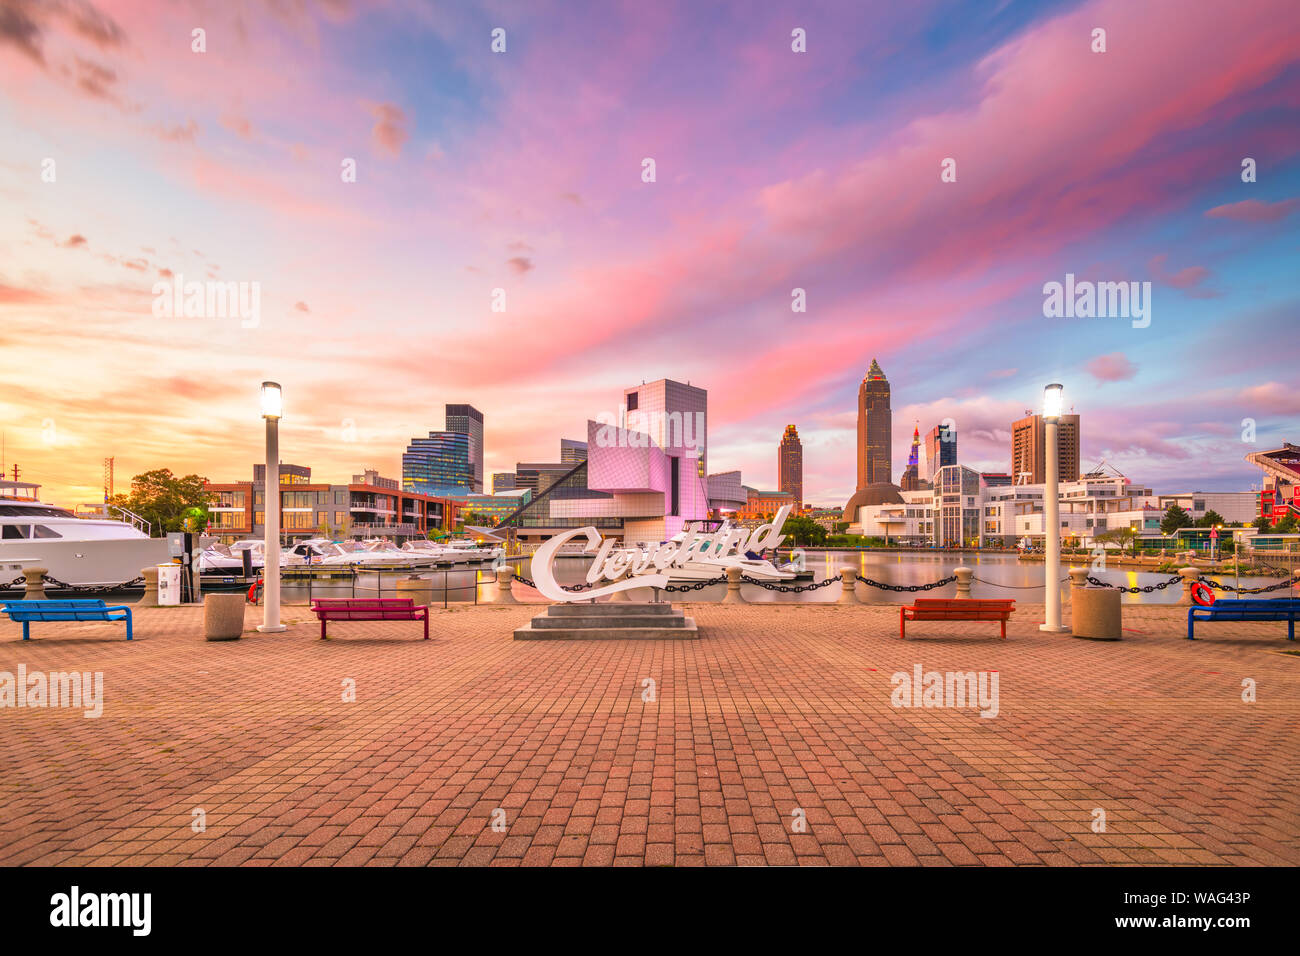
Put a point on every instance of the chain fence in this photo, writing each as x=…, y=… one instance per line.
x=1228, y=587
x=1138, y=589
x=1016, y=587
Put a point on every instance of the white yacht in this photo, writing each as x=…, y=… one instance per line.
x=78, y=552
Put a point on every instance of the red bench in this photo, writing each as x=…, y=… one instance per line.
x=956, y=609
x=369, y=609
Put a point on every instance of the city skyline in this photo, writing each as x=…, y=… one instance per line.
x=215, y=166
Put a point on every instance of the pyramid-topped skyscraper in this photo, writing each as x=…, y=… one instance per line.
x=874, y=428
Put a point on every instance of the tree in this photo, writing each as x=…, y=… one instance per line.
x=1121, y=537
x=1262, y=525
x=1174, y=519
x=804, y=531
x=1287, y=525
x=1210, y=519
x=165, y=501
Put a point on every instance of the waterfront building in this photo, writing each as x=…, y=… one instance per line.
x=1029, y=445
x=572, y=451
x=911, y=480
x=369, y=506
x=495, y=507
x=674, y=415
x=537, y=476
x=875, y=429
x=468, y=420
x=789, y=466
x=1280, y=494
x=762, y=503
x=965, y=509
x=440, y=465
x=1236, y=507
x=726, y=493
x=642, y=486
x=940, y=450
x=289, y=474
x=503, y=481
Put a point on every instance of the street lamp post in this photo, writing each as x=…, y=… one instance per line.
x=272, y=407
x=1052, y=405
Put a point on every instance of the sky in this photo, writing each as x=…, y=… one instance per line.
x=129, y=158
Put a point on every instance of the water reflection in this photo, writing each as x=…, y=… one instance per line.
x=996, y=576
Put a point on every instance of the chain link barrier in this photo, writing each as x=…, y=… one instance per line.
x=789, y=588
x=908, y=587
x=573, y=589
x=1139, y=589
x=1015, y=587
x=1228, y=587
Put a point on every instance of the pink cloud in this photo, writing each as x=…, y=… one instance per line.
x=389, y=133
x=1114, y=367
x=1253, y=210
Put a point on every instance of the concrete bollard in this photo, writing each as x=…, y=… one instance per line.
x=1095, y=614
x=963, y=581
x=1190, y=577
x=733, y=595
x=223, y=616
x=505, y=585
x=150, y=598
x=849, y=586
x=35, y=583
x=1078, y=579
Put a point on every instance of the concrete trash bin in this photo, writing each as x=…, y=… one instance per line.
x=223, y=616
x=1095, y=614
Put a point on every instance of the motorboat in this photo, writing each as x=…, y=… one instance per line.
x=458, y=552
x=96, y=552
x=319, y=552
x=221, y=559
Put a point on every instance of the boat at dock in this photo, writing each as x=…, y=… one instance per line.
x=95, y=552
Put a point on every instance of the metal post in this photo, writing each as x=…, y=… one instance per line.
x=271, y=510
x=1052, y=519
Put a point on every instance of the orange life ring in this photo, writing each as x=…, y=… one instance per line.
x=1201, y=588
x=253, y=591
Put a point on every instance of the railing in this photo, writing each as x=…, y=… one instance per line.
x=140, y=524
x=352, y=584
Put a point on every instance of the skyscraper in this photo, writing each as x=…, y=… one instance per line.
x=1029, y=448
x=439, y=465
x=468, y=420
x=911, y=479
x=503, y=481
x=789, y=465
x=572, y=451
x=874, y=428
x=940, y=450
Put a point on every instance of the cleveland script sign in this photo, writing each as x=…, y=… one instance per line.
x=610, y=564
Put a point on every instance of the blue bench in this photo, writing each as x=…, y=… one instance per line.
x=24, y=612
x=1275, y=609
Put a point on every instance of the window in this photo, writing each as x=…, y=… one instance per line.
x=631, y=401
x=16, y=531
x=40, y=531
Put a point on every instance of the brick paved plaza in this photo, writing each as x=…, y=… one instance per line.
x=772, y=709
